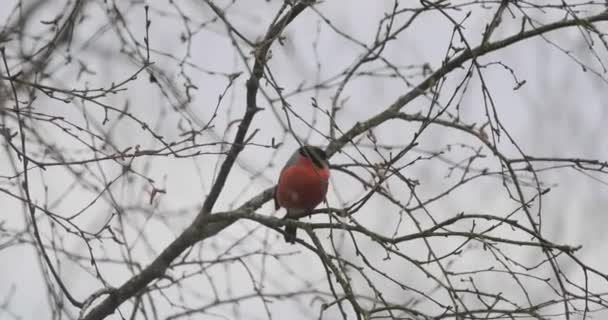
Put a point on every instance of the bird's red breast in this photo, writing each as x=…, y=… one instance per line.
x=302, y=185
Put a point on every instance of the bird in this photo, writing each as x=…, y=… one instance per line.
x=302, y=185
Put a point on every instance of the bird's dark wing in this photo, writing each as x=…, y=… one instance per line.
x=276, y=203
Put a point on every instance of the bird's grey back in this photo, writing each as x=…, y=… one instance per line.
x=292, y=160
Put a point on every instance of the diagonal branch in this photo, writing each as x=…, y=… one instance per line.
x=201, y=228
x=448, y=67
x=207, y=225
x=253, y=83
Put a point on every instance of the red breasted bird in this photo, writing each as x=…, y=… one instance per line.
x=302, y=185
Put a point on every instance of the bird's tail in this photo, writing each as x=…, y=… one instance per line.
x=290, y=234
x=291, y=230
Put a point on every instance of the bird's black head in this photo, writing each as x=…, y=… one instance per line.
x=315, y=154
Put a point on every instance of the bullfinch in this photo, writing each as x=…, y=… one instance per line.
x=302, y=185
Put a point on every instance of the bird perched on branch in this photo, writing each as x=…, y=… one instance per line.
x=302, y=185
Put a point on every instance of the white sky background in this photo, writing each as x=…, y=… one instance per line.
x=561, y=111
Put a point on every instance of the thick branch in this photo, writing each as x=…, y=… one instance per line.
x=207, y=225
x=201, y=228
x=252, y=90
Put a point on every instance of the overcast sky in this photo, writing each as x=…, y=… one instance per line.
x=560, y=111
